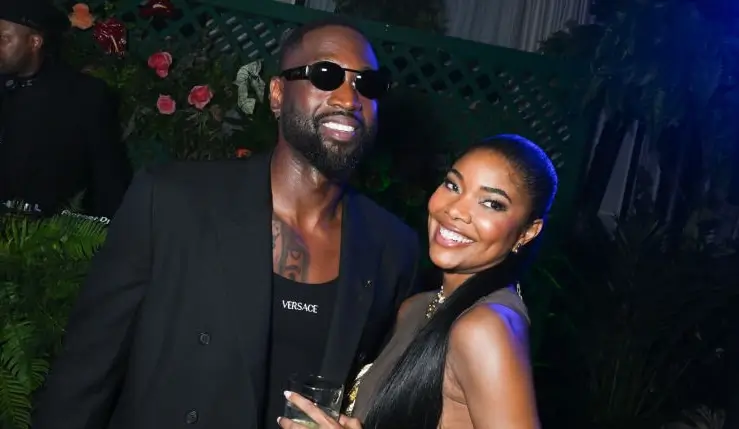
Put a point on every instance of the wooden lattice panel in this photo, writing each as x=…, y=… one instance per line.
x=523, y=101
x=478, y=89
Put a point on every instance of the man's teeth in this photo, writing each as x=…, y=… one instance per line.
x=339, y=127
x=451, y=235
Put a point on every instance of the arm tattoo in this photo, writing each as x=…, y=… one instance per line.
x=289, y=254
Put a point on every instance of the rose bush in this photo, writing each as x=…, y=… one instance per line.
x=173, y=106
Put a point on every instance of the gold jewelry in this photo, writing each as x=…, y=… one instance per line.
x=516, y=247
x=435, y=303
x=355, y=390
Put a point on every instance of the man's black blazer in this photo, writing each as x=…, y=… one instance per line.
x=171, y=328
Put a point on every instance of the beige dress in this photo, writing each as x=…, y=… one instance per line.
x=371, y=378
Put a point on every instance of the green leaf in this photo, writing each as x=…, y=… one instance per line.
x=43, y=264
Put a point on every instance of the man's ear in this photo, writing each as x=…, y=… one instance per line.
x=37, y=41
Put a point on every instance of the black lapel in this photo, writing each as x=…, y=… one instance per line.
x=360, y=256
x=244, y=240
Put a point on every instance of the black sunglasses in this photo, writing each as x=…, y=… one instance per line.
x=328, y=76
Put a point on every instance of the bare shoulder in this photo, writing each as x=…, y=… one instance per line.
x=487, y=330
x=488, y=363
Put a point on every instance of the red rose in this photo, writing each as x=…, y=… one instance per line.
x=166, y=105
x=157, y=8
x=200, y=96
x=111, y=36
x=242, y=152
x=160, y=62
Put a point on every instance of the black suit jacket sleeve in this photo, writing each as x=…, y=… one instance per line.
x=410, y=284
x=86, y=377
x=109, y=165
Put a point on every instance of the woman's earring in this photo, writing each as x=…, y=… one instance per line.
x=516, y=247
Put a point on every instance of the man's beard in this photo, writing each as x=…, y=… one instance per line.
x=8, y=69
x=335, y=160
x=17, y=65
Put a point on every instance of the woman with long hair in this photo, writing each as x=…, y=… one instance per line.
x=459, y=357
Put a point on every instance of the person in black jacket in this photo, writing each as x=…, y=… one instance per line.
x=219, y=280
x=59, y=129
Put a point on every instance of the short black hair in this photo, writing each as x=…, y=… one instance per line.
x=293, y=38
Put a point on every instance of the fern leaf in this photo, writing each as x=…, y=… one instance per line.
x=15, y=402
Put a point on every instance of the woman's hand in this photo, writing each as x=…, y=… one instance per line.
x=323, y=420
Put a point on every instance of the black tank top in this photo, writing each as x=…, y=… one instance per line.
x=301, y=317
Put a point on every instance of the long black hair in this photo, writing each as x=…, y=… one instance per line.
x=411, y=396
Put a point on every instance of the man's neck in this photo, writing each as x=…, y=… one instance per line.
x=32, y=69
x=300, y=193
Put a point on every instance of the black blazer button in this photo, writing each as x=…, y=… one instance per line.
x=191, y=417
x=368, y=284
x=362, y=357
x=204, y=338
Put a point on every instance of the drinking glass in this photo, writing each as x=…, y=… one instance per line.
x=322, y=392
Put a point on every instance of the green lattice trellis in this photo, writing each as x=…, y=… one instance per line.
x=475, y=89
x=460, y=91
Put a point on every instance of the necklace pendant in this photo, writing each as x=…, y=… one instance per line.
x=434, y=304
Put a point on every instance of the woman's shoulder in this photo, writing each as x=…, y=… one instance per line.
x=488, y=367
x=506, y=300
x=491, y=323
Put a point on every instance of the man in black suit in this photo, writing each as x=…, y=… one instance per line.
x=182, y=321
x=59, y=133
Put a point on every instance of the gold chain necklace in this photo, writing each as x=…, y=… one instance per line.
x=435, y=303
x=440, y=298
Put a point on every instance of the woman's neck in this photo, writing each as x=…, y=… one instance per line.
x=452, y=282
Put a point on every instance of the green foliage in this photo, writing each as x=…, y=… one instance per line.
x=217, y=131
x=635, y=318
x=665, y=63
x=701, y=417
x=401, y=173
x=42, y=264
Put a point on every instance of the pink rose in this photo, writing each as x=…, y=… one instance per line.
x=200, y=96
x=166, y=105
x=160, y=62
